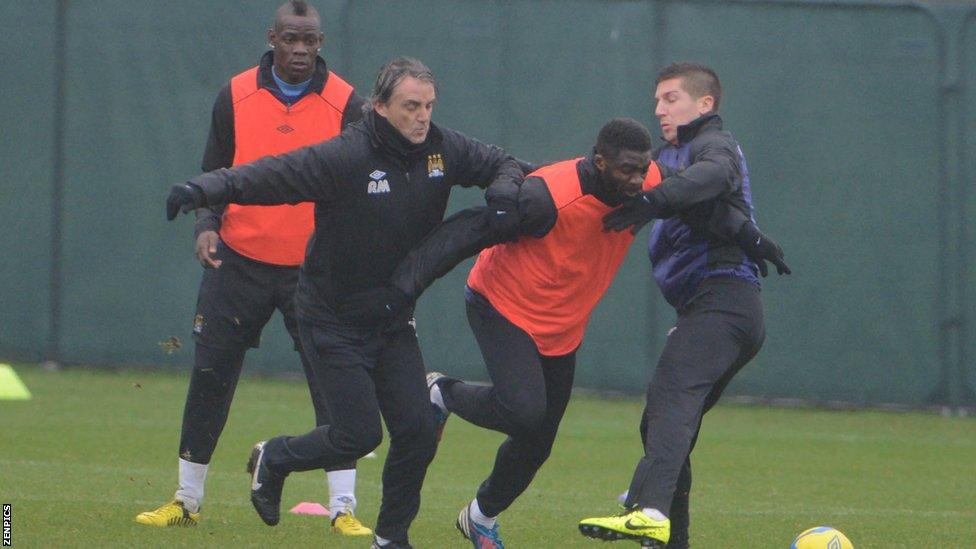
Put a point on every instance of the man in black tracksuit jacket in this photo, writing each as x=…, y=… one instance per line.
x=378, y=189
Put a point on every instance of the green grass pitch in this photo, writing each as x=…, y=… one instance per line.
x=93, y=448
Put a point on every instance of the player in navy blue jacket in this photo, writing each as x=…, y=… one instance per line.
x=712, y=284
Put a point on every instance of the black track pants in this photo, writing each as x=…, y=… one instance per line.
x=526, y=402
x=234, y=304
x=364, y=374
x=717, y=333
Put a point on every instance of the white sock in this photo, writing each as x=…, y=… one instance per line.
x=479, y=517
x=654, y=513
x=437, y=398
x=380, y=541
x=192, y=478
x=342, y=491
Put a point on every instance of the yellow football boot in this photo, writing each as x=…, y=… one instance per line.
x=631, y=524
x=171, y=514
x=345, y=523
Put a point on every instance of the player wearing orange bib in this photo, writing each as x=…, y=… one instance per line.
x=528, y=304
x=251, y=254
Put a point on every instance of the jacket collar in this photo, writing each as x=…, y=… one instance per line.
x=384, y=137
x=266, y=79
x=706, y=122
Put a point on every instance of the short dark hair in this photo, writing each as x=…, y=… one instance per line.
x=698, y=80
x=622, y=134
x=299, y=7
x=392, y=73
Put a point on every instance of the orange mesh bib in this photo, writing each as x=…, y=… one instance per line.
x=550, y=285
x=264, y=126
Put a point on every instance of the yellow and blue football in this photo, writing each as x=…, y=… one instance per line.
x=822, y=537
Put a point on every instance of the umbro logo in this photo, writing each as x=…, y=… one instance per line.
x=378, y=184
x=285, y=128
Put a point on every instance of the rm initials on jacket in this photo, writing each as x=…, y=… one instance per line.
x=377, y=185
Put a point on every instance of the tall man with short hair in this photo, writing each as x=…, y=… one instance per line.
x=251, y=254
x=378, y=189
x=713, y=286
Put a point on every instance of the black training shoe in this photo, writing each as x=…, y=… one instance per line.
x=266, y=486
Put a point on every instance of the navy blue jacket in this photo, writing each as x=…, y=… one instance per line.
x=712, y=175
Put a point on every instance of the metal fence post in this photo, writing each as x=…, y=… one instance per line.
x=53, y=353
x=967, y=397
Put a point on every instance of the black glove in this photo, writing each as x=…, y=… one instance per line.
x=526, y=166
x=759, y=248
x=503, y=219
x=371, y=306
x=184, y=197
x=634, y=213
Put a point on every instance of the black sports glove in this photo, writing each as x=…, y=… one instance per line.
x=371, y=306
x=634, y=213
x=503, y=219
x=527, y=167
x=760, y=248
x=184, y=197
